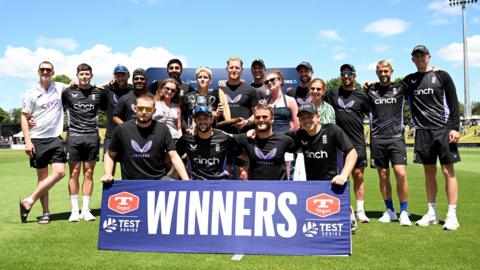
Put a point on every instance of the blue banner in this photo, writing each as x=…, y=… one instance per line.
x=236, y=217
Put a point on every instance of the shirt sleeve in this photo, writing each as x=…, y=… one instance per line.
x=253, y=97
x=119, y=109
x=453, y=121
x=27, y=105
x=342, y=141
x=168, y=144
x=116, y=141
x=180, y=145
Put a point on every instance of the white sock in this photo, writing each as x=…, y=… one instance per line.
x=29, y=200
x=74, y=202
x=452, y=210
x=86, y=203
x=431, y=209
x=360, y=204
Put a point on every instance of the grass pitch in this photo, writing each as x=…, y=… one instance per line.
x=64, y=245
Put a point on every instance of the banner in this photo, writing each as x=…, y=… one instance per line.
x=237, y=217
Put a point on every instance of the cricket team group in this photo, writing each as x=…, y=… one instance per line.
x=169, y=130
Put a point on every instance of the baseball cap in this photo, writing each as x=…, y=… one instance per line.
x=120, y=69
x=304, y=64
x=420, y=48
x=175, y=60
x=259, y=61
x=139, y=71
x=201, y=109
x=310, y=108
x=347, y=66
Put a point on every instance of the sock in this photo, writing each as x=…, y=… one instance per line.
x=431, y=209
x=74, y=202
x=452, y=210
x=360, y=204
x=403, y=206
x=86, y=203
x=389, y=204
x=29, y=200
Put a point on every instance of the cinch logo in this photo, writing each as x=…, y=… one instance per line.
x=390, y=100
x=84, y=107
x=427, y=91
x=323, y=205
x=50, y=104
x=207, y=161
x=316, y=155
x=123, y=202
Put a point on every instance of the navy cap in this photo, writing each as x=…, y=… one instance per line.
x=120, y=69
x=258, y=61
x=347, y=66
x=139, y=71
x=420, y=48
x=310, y=108
x=201, y=109
x=305, y=65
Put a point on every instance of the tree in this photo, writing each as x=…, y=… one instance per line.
x=336, y=82
x=476, y=108
x=15, y=115
x=102, y=118
x=4, y=116
x=62, y=78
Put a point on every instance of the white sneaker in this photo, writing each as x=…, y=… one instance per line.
x=404, y=219
x=87, y=216
x=74, y=217
x=362, y=217
x=388, y=216
x=451, y=223
x=427, y=219
x=353, y=221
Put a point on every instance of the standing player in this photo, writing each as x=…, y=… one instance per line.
x=82, y=105
x=435, y=114
x=350, y=106
x=174, y=70
x=210, y=151
x=258, y=73
x=125, y=107
x=301, y=93
x=387, y=140
x=267, y=150
x=43, y=144
x=142, y=145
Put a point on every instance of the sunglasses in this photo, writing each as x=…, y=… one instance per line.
x=45, y=69
x=139, y=79
x=347, y=73
x=170, y=89
x=272, y=80
x=174, y=68
x=144, y=109
x=315, y=88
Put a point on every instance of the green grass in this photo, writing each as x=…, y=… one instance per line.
x=64, y=245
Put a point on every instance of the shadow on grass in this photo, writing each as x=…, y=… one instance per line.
x=66, y=215
x=378, y=214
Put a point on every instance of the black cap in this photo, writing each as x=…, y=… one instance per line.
x=310, y=108
x=139, y=71
x=349, y=66
x=305, y=65
x=420, y=48
x=175, y=60
x=258, y=61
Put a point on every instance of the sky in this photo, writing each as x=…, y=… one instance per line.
x=147, y=33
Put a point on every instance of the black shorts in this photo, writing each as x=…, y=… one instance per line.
x=384, y=151
x=361, y=156
x=433, y=143
x=47, y=151
x=83, y=148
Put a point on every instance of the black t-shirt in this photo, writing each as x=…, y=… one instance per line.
x=113, y=95
x=191, y=99
x=82, y=107
x=433, y=100
x=142, y=150
x=321, y=151
x=241, y=99
x=125, y=109
x=266, y=156
x=208, y=158
x=302, y=95
x=264, y=94
x=350, y=108
x=386, y=110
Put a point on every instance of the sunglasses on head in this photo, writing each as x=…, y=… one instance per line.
x=144, y=109
x=272, y=80
x=347, y=73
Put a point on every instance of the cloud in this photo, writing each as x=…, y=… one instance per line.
x=454, y=52
x=475, y=20
x=100, y=57
x=442, y=7
x=328, y=35
x=439, y=21
x=387, y=27
x=339, y=56
x=373, y=66
x=380, y=48
x=68, y=44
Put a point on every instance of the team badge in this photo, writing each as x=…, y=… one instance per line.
x=324, y=139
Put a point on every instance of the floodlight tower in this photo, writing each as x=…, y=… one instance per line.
x=467, y=110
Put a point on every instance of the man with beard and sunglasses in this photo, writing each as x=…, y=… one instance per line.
x=302, y=93
x=125, y=107
x=266, y=152
x=210, y=151
x=351, y=105
x=142, y=143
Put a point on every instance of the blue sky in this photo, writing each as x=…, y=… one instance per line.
x=146, y=33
